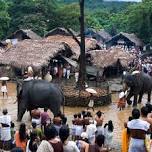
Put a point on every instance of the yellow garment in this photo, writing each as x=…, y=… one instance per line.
x=125, y=141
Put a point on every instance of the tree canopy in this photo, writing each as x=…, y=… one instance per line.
x=44, y=15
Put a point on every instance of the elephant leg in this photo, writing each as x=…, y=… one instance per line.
x=140, y=97
x=128, y=98
x=54, y=110
x=149, y=96
x=135, y=101
x=20, y=114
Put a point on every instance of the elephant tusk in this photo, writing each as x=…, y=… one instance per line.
x=15, y=102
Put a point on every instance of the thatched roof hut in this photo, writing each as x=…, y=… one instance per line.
x=35, y=53
x=24, y=34
x=60, y=31
x=2, y=51
x=126, y=39
x=103, y=36
x=105, y=58
x=91, y=44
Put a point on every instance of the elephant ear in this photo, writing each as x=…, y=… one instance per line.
x=129, y=80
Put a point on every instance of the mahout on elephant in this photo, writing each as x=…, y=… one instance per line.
x=38, y=94
x=138, y=83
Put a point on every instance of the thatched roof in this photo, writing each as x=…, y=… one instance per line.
x=91, y=44
x=104, y=35
x=2, y=50
x=60, y=31
x=131, y=39
x=24, y=34
x=105, y=58
x=35, y=53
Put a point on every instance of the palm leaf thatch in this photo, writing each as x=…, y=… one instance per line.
x=60, y=31
x=105, y=58
x=25, y=34
x=91, y=44
x=36, y=53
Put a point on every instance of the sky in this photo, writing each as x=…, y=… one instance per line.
x=125, y=0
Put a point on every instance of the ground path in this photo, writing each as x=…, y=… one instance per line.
x=110, y=113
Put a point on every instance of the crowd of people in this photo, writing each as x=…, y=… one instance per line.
x=84, y=134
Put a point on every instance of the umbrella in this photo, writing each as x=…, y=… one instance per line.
x=90, y=90
x=4, y=78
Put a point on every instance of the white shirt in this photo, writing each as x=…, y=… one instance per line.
x=138, y=124
x=45, y=146
x=5, y=131
x=91, y=129
x=70, y=147
x=91, y=103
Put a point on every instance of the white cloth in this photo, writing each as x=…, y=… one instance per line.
x=91, y=130
x=4, y=89
x=48, y=77
x=27, y=147
x=55, y=70
x=64, y=72
x=76, y=76
x=70, y=147
x=5, y=131
x=29, y=78
x=91, y=103
x=68, y=73
x=37, y=121
x=138, y=124
x=79, y=130
x=108, y=137
x=45, y=146
x=137, y=145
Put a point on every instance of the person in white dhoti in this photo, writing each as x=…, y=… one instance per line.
x=4, y=88
x=76, y=75
x=68, y=71
x=91, y=103
x=5, y=135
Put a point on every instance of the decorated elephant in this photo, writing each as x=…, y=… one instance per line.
x=38, y=94
x=139, y=83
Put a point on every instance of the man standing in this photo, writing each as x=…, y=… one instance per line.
x=138, y=129
x=5, y=138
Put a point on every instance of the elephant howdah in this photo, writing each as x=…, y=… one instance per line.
x=38, y=94
x=139, y=83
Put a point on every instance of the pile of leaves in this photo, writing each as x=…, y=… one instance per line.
x=71, y=91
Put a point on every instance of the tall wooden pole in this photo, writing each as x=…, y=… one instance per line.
x=82, y=68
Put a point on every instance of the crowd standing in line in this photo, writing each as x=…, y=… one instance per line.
x=86, y=134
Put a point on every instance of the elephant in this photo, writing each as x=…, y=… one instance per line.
x=139, y=83
x=38, y=94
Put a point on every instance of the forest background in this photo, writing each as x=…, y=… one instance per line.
x=44, y=15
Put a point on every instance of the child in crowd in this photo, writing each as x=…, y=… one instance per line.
x=4, y=88
x=121, y=101
x=108, y=133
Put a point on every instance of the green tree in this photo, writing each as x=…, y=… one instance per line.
x=33, y=14
x=4, y=18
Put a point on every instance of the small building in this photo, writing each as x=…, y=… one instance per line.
x=126, y=40
x=102, y=36
x=113, y=61
x=35, y=53
x=60, y=31
x=23, y=34
x=90, y=32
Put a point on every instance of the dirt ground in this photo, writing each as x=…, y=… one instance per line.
x=110, y=113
